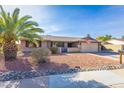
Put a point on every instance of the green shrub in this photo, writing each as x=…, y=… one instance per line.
x=54, y=50
x=40, y=55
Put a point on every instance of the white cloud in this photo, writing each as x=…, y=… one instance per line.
x=37, y=12
x=41, y=14
x=51, y=28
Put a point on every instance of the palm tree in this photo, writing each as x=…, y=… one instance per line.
x=104, y=38
x=13, y=28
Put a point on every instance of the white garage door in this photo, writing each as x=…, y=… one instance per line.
x=89, y=47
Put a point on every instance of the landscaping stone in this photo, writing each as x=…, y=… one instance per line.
x=16, y=75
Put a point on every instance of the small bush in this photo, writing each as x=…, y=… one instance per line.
x=40, y=55
x=54, y=50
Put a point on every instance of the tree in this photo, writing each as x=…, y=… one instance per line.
x=122, y=37
x=13, y=28
x=104, y=38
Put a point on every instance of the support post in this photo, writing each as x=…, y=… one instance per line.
x=121, y=57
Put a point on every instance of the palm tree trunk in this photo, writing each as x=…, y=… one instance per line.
x=10, y=50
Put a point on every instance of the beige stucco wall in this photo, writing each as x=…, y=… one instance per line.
x=113, y=48
x=48, y=44
x=89, y=47
x=66, y=44
x=84, y=47
x=44, y=44
x=74, y=49
x=24, y=48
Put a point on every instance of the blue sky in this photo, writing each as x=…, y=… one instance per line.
x=77, y=21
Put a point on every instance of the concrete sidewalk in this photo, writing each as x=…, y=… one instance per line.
x=91, y=79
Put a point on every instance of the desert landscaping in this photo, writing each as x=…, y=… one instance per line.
x=58, y=64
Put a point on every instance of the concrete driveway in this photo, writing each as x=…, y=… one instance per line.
x=110, y=55
x=91, y=79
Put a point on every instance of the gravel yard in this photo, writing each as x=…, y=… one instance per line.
x=59, y=64
x=82, y=60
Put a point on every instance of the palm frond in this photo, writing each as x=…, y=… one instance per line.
x=13, y=28
x=1, y=28
x=21, y=21
x=4, y=15
x=28, y=24
x=2, y=25
x=34, y=30
x=30, y=35
x=15, y=15
x=10, y=22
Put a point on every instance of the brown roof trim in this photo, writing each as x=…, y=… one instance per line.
x=89, y=42
x=67, y=39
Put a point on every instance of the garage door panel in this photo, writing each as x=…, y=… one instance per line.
x=91, y=47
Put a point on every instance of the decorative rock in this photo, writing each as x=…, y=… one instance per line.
x=16, y=75
x=77, y=67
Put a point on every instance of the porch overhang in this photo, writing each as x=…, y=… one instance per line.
x=116, y=42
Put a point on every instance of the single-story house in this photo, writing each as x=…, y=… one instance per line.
x=65, y=44
x=114, y=45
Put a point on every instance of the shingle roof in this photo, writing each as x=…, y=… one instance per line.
x=89, y=39
x=68, y=39
x=60, y=38
x=116, y=41
x=120, y=39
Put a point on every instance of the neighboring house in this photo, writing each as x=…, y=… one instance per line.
x=113, y=45
x=65, y=44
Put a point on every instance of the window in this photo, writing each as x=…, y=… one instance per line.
x=51, y=44
x=30, y=44
x=57, y=44
x=70, y=44
x=60, y=44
